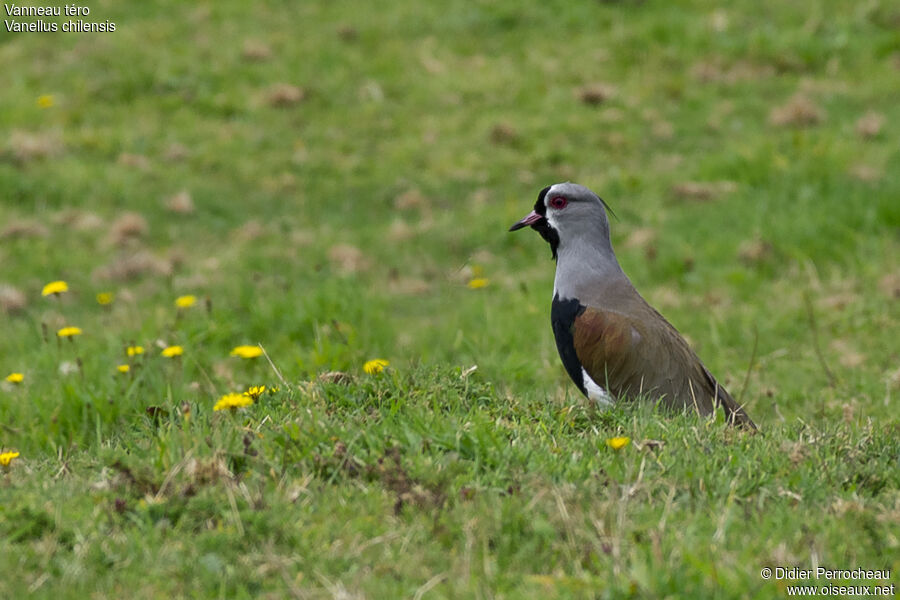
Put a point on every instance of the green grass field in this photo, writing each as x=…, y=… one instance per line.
x=334, y=181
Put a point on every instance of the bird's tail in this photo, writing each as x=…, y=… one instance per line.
x=735, y=415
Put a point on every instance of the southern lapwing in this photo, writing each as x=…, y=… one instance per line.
x=612, y=343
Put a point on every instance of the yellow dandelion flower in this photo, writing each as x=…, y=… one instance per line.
x=7, y=458
x=15, y=378
x=123, y=368
x=134, y=350
x=477, y=283
x=247, y=351
x=55, y=287
x=375, y=366
x=185, y=301
x=255, y=391
x=617, y=443
x=69, y=332
x=104, y=298
x=172, y=351
x=45, y=101
x=233, y=401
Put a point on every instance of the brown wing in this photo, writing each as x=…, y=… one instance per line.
x=606, y=343
x=631, y=356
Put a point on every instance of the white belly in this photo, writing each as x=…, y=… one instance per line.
x=596, y=393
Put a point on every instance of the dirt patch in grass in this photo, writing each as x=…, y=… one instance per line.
x=400, y=231
x=870, y=125
x=799, y=111
x=135, y=265
x=866, y=173
x=181, y=203
x=838, y=301
x=847, y=354
x=755, y=251
x=176, y=152
x=703, y=191
x=338, y=377
x=127, y=228
x=26, y=146
x=12, y=300
x=718, y=70
x=250, y=231
x=596, y=93
x=209, y=470
x=137, y=161
x=407, y=286
x=256, y=51
x=411, y=199
x=141, y=483
x=643, y=238
x=284, y=95
x=348, y=259
x=408, y=490
x=79, y=220
x=889, y=284
x=347, y=33
x=504, y=134
x=23, y=229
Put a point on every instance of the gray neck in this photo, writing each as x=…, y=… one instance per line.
x=587, y=269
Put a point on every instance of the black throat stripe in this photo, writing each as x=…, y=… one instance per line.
x=550, y=235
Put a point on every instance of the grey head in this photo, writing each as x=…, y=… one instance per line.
x=568, y=215
x=573, y=220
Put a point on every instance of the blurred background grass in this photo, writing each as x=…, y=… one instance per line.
x=328, y=177
x=319, y=163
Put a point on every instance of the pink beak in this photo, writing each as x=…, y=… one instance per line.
x=531, y=219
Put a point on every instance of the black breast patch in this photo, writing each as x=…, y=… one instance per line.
x=562, y=317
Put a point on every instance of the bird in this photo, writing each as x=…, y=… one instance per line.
x=612, y=343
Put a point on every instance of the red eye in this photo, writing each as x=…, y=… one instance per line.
x=558, y=202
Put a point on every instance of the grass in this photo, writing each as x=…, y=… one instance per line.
x=326, y=179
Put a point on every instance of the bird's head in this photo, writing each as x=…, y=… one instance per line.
x=565, y=212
